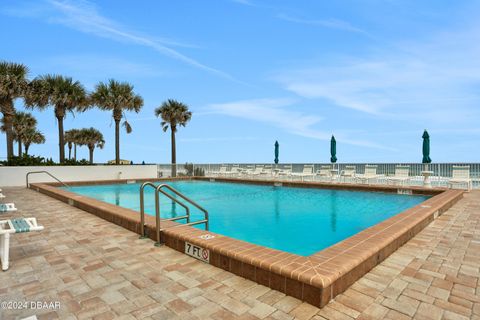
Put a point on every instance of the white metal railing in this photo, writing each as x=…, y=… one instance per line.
x=441, y=173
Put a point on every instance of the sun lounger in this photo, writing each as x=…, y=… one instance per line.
x=460, y=176
x=286, y=171
x=222, y=172
x=325, y=172
x=307, y=172
x=6, y=207
x=8, y=227
x=235, y=170
x=348, y=172
x=257, y=171
x=369, y=175
x=402, y=175
x=267, y=171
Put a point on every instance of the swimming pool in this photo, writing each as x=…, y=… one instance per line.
x=292, y=219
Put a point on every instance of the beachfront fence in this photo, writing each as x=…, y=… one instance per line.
x=441, y=173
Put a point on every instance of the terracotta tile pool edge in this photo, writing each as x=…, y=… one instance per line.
x=315, y=279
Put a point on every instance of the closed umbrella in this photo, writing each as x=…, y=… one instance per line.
x=333, y=150
x=277, y=147
x=426, y=148
x=426, y=159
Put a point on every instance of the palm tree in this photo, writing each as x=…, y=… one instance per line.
x=91, y=138
x=13, y=85
x=71, y=138
x=63, y=94
x=173, y=114
x=30, y=136
x=117, y=97
x=22, y=121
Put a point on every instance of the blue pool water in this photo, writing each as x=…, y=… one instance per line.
x=297, y=220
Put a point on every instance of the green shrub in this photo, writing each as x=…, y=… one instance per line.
x=31, y=160
x=191, y=171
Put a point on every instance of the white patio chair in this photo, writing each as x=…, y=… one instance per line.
x=325, y=173
x=7, y=207
x=267, y=171
x=348, y=172
x=285, y=172
x=306, y=172
x=369, y=175
x=221, y=172
x=257, y=171
x=235, y=170
x=8, y=227
x=402, y=175
x=460, y=176
x=248, y=170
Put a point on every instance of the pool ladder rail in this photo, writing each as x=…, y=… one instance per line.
x=158, y=190
x=46, y=172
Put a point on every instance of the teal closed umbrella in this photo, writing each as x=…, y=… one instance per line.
x=277, y=147
x=333, y=150
x=426, y=148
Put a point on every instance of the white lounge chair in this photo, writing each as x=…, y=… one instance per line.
x=267, y=171
x=307, y=172
x=286, y=171
x=221, y=172
x=257, y=171
x=8, y=227
x=2, y=195
x=7, y=207
x=460, y=176
x=402, y=175
x=235, y=170
x=325, y=172
x=369, y=175
x=348, y=172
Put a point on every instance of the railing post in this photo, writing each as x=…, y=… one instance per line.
x=142, y=213
x=157, y=218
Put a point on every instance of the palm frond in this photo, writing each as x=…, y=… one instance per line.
x=128, y=127
x=174, y=114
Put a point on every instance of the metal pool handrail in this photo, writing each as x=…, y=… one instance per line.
x=158, y=190
x=51, y=175
x=142, y=207
x=184, y=197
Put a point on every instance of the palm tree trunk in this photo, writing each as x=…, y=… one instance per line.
x=75, y=152
x=117, y=141
x=61, y=138
x=27, y=145
x=91, y=153
x=19, y=147
x=174, y=154
x=8, y=120
x=69, y=150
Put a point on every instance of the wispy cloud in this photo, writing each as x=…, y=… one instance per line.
x=325, y=23
x=97, y=63
x=84, y=16
x=271, y=111
x=244, y=2
x=284, y=114
x=217, y=139
x=435, y=80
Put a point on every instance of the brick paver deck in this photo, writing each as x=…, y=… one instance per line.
x=99, y=270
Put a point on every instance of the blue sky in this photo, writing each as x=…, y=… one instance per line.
x=373, y=73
